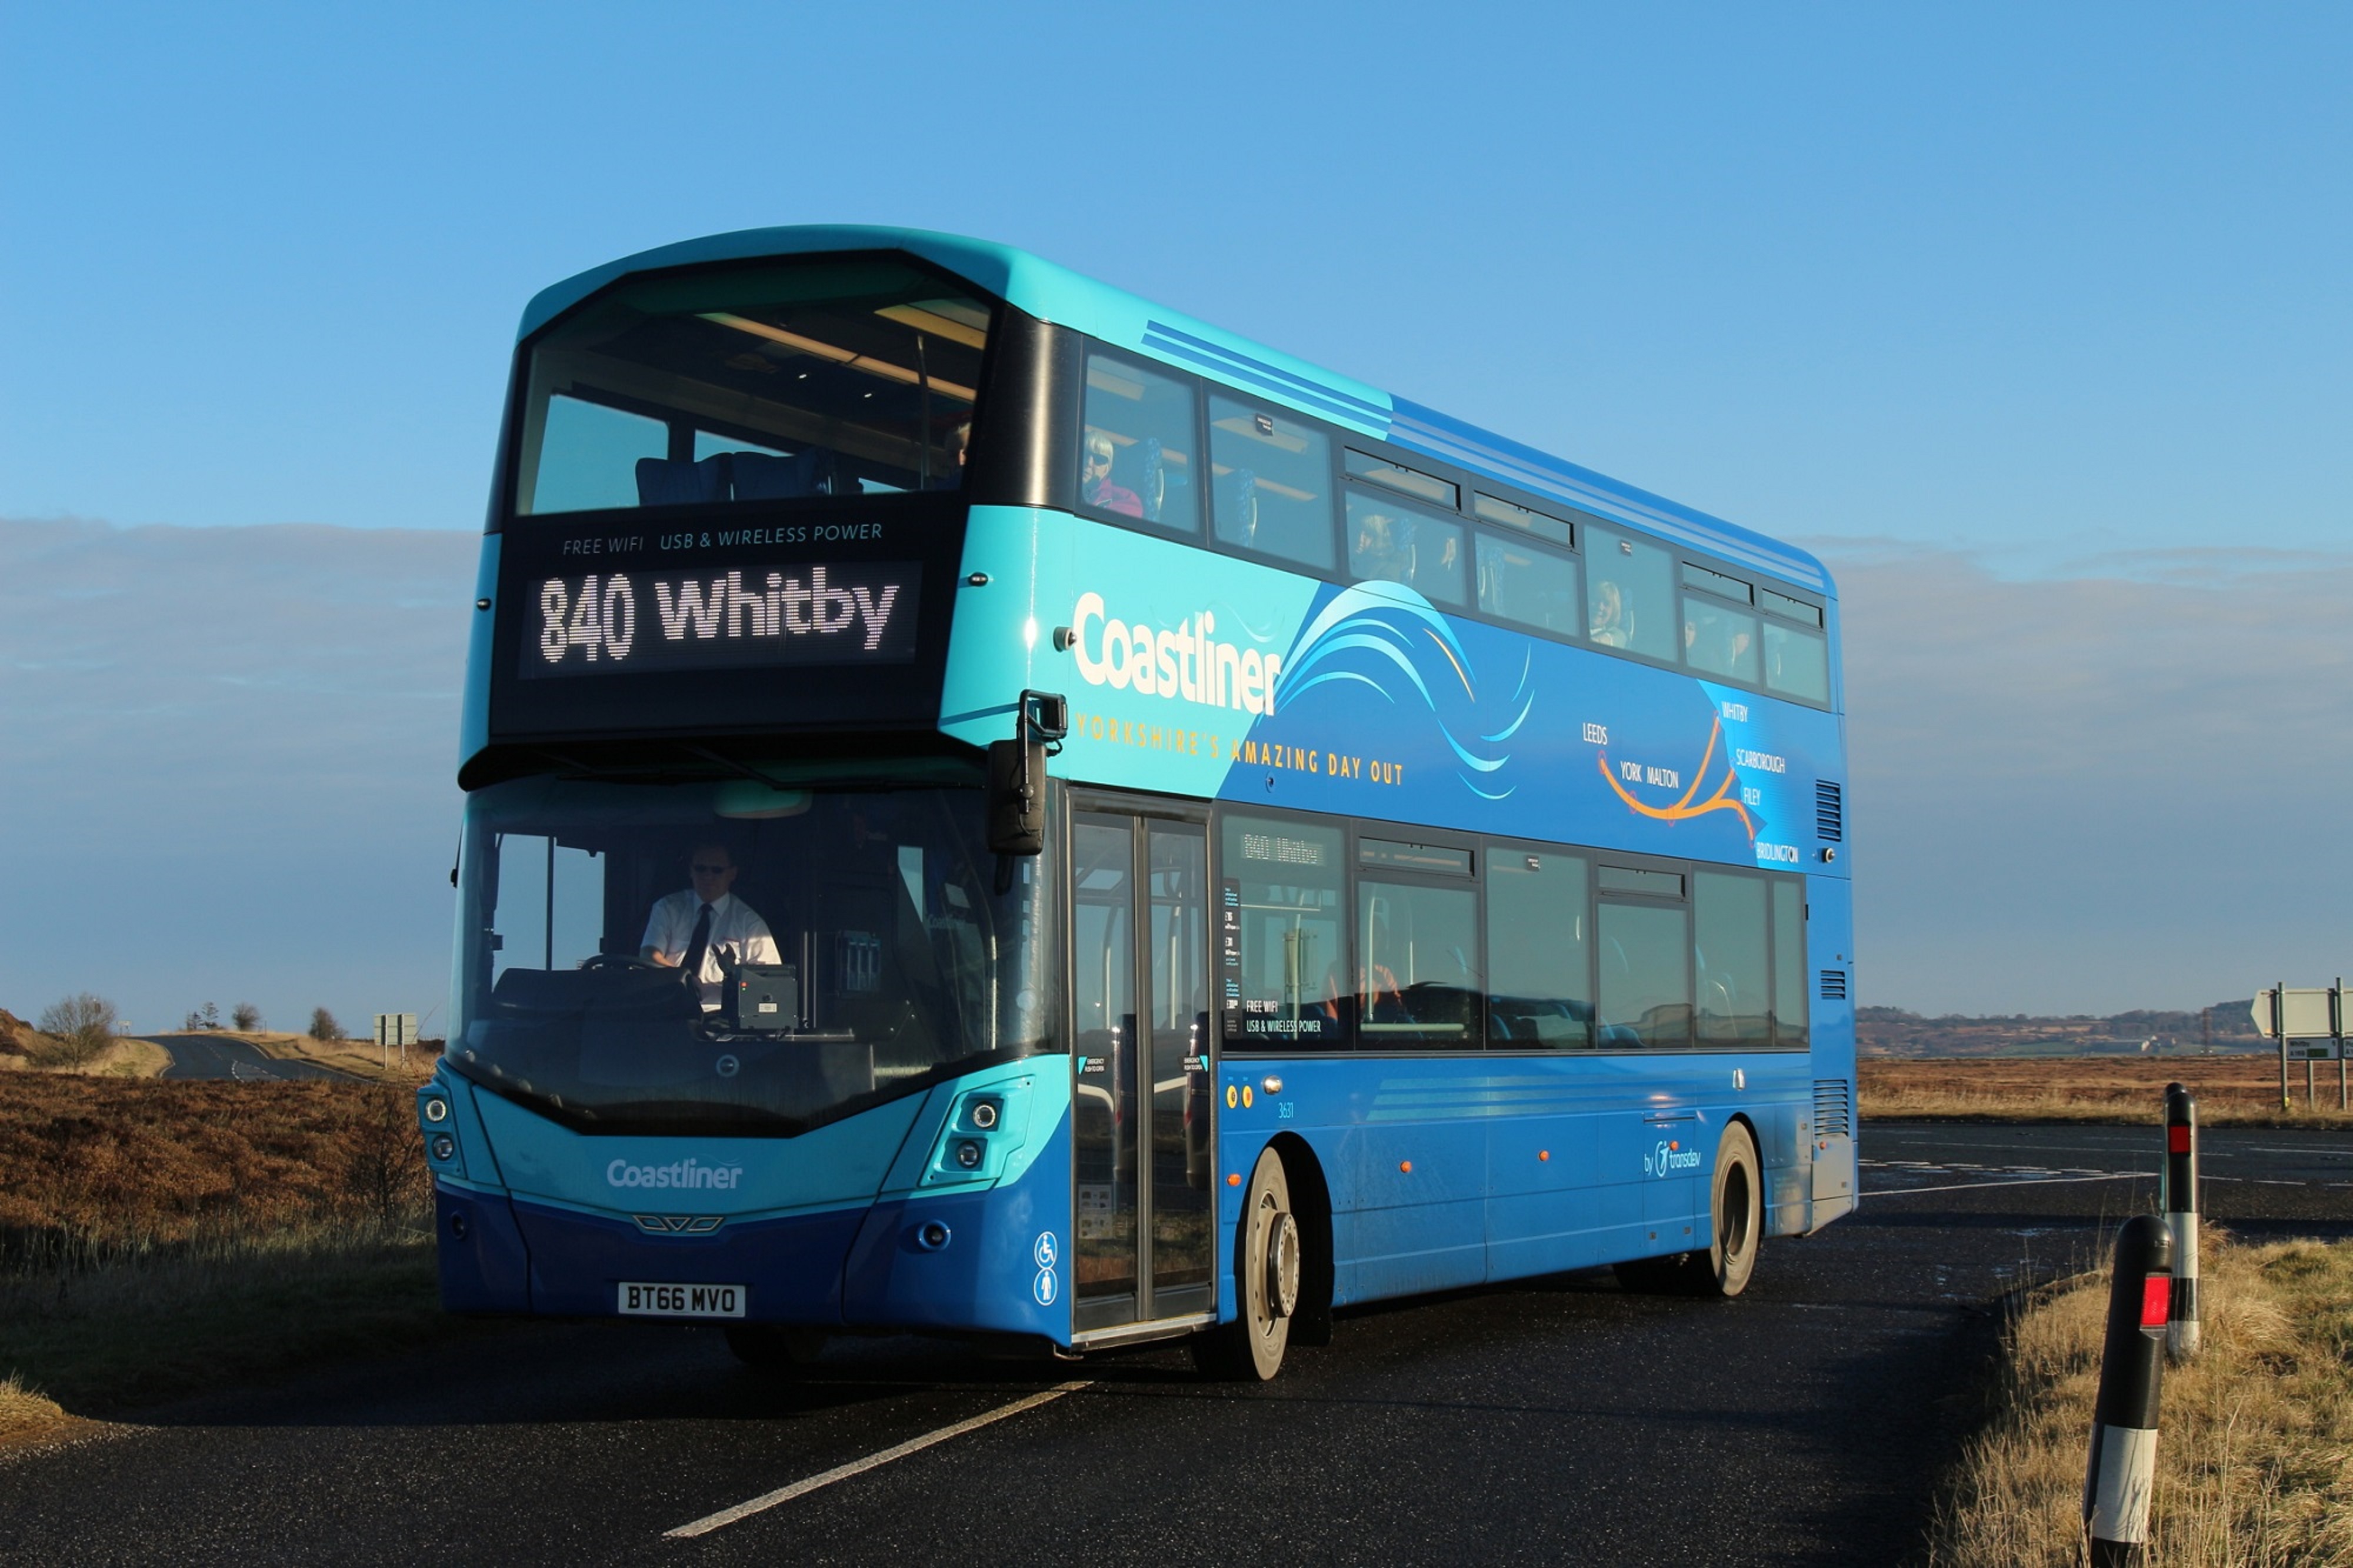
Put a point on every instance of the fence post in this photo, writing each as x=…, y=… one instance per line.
x=2181, y=1219
x=2122, y=1473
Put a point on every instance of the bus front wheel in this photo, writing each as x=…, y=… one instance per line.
x=1267, y=1269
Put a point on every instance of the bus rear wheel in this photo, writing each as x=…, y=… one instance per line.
x=1735, y=1218
x=1267, y=1269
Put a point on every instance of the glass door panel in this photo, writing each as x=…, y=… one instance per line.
x=1103, y=987
x=1183, y=1224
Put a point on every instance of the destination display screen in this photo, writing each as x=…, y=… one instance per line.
x=620, y=623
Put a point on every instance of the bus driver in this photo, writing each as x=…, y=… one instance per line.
x=695, y=929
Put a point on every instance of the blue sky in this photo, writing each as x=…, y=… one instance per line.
x=1998, y=307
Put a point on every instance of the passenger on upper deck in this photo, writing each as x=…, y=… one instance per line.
x=1612, y=628
x=1382, y=548
x=1095, y=485
x=704, y=929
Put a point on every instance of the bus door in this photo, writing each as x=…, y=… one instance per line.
x=1141, y=1130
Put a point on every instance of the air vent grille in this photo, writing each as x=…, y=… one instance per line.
x=1833, y=985
x=1834, y=1108
x=1830, y=813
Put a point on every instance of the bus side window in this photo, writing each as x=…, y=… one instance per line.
x=1645, y=983
x=1416, y=970
x=1719, y=641
x=1272, y=483
x=1728, y=955
x=1142, y=421
x=1629, y=594
x=1389, y=541
x=1528, y=584
x=1539, y=966
x=1797, y=663
x=1285, y=884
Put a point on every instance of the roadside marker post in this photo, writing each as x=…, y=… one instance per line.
x=2119, y=1481
x=2181, y=1219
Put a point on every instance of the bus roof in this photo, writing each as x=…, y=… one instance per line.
x=1056, y=294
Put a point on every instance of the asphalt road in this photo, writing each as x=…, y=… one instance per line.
x=1565, y=1420
x=209, y=1056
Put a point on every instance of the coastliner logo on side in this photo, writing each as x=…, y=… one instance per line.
x=688, y=1172
x=1187, y=663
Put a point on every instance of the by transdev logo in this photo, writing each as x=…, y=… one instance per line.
x=1188, y=662
x=1669, y=1157
x=688, y=1172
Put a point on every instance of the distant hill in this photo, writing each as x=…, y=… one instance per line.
x=1894, y=1032
x=19, y=1038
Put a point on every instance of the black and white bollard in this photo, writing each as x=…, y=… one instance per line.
x=2122, y=1470
x=2181, y=1219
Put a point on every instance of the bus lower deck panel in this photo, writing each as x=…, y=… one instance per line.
x=1441, y=1172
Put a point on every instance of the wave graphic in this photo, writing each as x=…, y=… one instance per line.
x=1395, y=641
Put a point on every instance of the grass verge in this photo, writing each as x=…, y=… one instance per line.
x=106, y=1335
x=360, y=1059
x=162, y=1238
x=2255, y=1451
x=24, y=1413
x=2239, y=1090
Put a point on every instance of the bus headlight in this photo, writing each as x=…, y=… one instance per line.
x=969, y=1152
x=436, y=1109
x=984, y=1114
x=444, y=1147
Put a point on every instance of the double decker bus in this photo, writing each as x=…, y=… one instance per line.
x=996, y=808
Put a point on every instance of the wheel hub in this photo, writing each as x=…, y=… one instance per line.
x=1283, y=1266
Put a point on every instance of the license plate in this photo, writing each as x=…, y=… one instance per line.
x=639, y=1299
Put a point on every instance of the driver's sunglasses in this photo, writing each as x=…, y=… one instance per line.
x=712, y=870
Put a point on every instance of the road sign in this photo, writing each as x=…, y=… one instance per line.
x=2309, y=1023
x=394, y=1031
x=2306, y=1013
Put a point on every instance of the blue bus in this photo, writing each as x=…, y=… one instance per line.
x=994, y=808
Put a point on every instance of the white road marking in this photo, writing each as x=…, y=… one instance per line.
x=2030, y=1181
x=766, y=1500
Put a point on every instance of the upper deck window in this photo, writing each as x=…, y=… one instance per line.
x=1136, y=456
x=1511, y=515
x=1630, y=593
x=1391, y=541
x=1272, y=483
x=1398, y=476
x=823, y=377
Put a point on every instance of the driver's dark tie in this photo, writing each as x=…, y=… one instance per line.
x=692, y=963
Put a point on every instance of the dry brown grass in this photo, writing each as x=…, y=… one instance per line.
x=25, y=1412
x=361, y=1058
x=2231, y=1090
x=160, y=1237
x=2255, y=1452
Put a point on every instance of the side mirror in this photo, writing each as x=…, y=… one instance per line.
x=1016, y=774
x=1017, y=797
x=1047, y=715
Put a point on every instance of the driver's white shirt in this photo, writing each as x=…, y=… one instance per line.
x=738, y=935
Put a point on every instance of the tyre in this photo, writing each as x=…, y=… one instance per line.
x=1266, y=1281
x=770, y=1347
x=1735, y=1218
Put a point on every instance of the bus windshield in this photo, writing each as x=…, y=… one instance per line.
x=830, y=376
x=730, y=955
